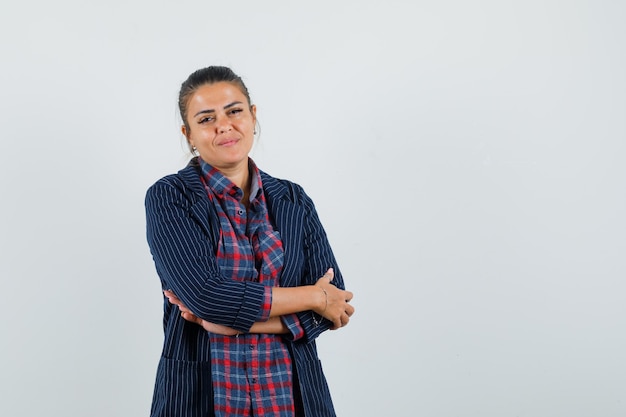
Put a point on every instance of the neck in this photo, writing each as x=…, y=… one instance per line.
x=240, y=176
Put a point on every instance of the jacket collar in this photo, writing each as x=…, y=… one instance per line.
x=191, y=177
x=284, y=214
x=274, y=189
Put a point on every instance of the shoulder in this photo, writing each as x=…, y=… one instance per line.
x=281, y=189
x=185, y=182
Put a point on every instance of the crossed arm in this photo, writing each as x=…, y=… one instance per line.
x=322, y=297
x=177, y=231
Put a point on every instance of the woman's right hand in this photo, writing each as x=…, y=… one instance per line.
x=335, y=303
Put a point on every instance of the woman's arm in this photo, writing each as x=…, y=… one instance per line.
x=324, y=298
x=181, y=236
x=318, y=257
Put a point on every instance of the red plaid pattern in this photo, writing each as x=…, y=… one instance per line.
x=252, y=374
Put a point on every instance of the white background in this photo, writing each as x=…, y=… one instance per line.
x=466, y=158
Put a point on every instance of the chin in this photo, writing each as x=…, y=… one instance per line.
x=235, y=161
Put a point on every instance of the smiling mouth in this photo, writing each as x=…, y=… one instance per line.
x=229, y=142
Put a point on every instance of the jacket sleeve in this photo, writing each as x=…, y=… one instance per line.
x=185, y=261
x=318, y=258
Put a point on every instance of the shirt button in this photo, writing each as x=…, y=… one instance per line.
x=251, y=347
x=240, y=211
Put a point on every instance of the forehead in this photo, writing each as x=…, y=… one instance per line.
x=214, y=96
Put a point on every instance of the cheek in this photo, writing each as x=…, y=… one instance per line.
x=199, y=134
x=249, y=127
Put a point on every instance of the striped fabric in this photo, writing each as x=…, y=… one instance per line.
x=183, y=235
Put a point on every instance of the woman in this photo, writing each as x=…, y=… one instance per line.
x=249, y=274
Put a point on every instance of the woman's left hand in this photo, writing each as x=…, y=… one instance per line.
x=189, y=316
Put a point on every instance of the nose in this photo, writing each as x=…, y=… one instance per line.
x=223, y=124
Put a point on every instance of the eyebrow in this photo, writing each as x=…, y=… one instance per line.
x=226, y=107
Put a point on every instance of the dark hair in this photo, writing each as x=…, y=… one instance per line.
x=204, y=76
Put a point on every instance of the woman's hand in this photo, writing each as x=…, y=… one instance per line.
x=189, y=316
x=335, y=303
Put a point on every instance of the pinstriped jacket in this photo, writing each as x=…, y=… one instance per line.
x=183, y=233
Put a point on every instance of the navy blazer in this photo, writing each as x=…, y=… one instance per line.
x=183, y=232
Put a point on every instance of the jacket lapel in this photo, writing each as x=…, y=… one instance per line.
x=285, y=214
x=200, y=206
x=288, y=218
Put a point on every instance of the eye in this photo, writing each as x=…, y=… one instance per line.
x=206, y=119
x=235, y=111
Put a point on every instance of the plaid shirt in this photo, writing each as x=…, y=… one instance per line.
x=252, y=374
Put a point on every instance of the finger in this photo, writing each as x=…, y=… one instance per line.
x=171, y=296
x=344, y=320
x=190, y=317
x=175, y=301
x=348, y=295
x=329, y=275
x=186, y=316
x=183, y=308
x=349, y=310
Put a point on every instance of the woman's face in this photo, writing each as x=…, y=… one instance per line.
x=221, y=125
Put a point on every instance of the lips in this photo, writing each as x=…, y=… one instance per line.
x=228, y=142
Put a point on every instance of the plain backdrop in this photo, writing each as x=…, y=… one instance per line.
x=466, y=158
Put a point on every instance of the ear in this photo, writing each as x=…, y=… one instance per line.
x=183, y=130
x=253, y=111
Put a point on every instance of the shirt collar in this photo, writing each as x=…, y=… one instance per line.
x=220, y=184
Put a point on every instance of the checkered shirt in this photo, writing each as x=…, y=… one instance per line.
x=252, y=373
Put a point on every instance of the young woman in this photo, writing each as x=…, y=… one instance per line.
x=248, y=273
